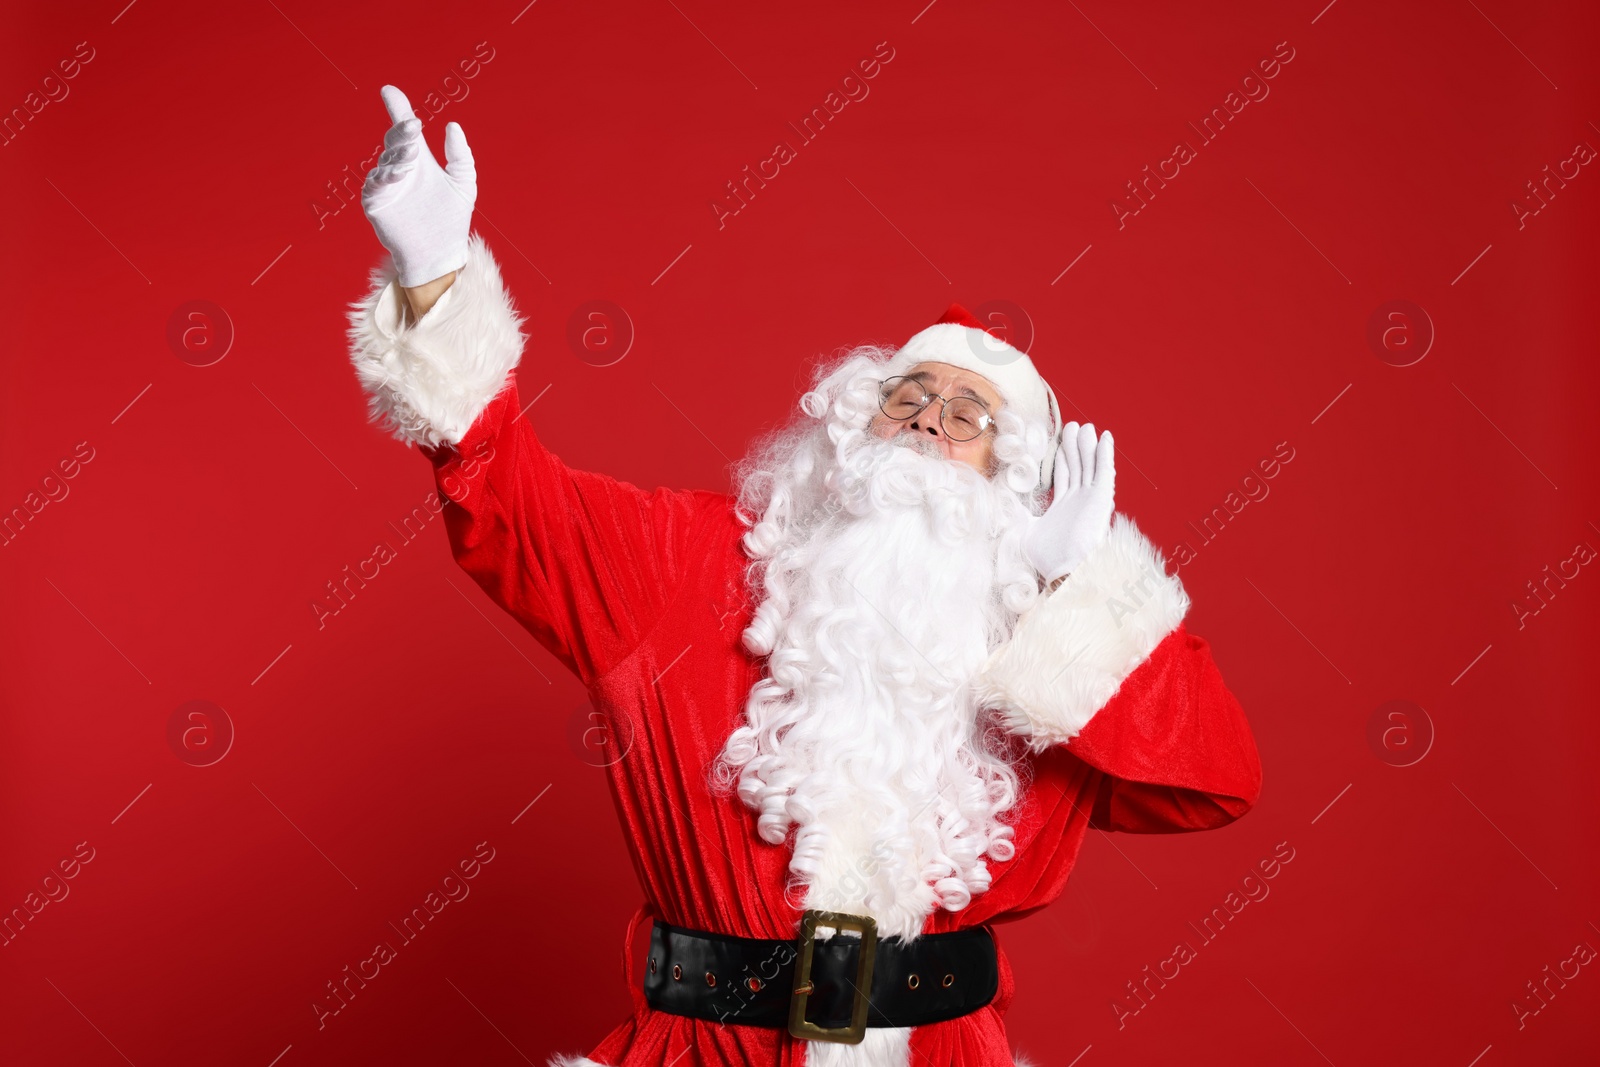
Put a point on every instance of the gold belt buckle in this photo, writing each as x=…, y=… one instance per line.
x=857, y=1030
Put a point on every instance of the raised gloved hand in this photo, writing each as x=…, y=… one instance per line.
x=1079, y=515
x=421, y=212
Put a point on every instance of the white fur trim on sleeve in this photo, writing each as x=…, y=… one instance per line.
x=427, y=383
x=1069, y=653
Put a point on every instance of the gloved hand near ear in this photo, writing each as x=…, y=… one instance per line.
x=421, y=212
x=1079, y=515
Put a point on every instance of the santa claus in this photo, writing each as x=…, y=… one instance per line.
x=868, y=703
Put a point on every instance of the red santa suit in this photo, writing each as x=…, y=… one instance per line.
x=640, y=593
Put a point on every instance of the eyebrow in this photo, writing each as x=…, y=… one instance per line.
x=923, y=376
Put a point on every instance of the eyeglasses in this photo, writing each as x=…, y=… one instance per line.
x=961, y=417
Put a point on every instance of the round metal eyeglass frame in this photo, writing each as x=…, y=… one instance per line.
x=889, y=386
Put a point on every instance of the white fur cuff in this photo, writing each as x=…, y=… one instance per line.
x=1069, y=653
x=427, y=383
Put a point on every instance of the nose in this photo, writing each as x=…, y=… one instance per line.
x=927, y=420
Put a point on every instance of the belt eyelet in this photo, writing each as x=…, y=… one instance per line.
x=677, y=972
x=711, y=979
x=652, y=965
x=949, y=979
x=912, y=981
x=754, y=984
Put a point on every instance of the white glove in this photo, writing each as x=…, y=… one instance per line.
x=422, y=213
x=1079, y=515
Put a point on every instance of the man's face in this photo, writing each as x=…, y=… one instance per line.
x=929, y=435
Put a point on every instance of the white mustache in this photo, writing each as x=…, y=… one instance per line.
x=918, y=442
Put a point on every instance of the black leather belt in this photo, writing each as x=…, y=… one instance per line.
x=827, y=990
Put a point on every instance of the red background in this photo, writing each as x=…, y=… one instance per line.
x=1224, y=318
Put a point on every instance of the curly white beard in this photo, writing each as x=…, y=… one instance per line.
x=889, y=575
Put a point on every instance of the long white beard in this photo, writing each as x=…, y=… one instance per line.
x=882, y=603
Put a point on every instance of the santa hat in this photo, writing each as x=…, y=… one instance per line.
x=958, y=338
